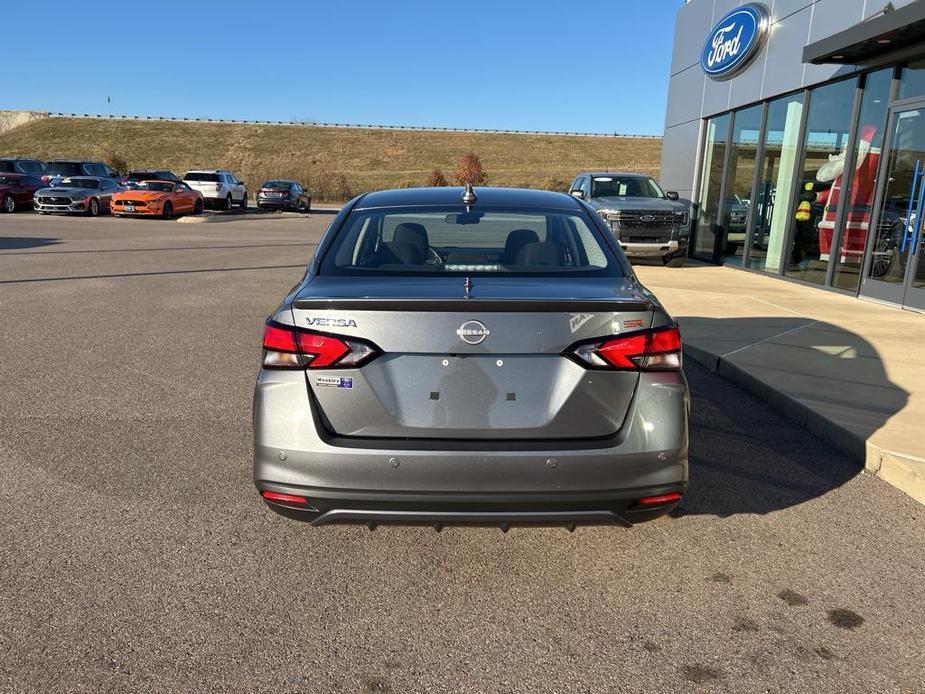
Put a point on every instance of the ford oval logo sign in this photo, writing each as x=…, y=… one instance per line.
x=735, y=40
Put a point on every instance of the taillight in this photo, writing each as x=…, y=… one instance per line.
x=647, y=350
x=288, y=347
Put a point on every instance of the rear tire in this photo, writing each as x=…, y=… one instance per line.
x=308, y=206
x=168, y=210
x=244, y=202
x=197, y=208
x=9, y=203
x=93, y=209
x=228, y=204
x=673, y=261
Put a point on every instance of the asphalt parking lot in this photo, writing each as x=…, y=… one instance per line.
x=136, y=556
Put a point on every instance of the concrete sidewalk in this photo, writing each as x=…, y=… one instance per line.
x=849, y=370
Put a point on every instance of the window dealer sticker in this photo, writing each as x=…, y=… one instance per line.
x=735, y=40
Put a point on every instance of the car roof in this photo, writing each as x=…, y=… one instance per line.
x=503, y=197
x=208, y=171
x=637, y=174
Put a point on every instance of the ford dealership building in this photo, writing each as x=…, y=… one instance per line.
x=797, y=128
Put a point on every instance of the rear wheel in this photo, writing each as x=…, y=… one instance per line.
x=197, y=208
x=673, y=260
x=168, y=210
x=9, y=203
x=228, y=202
x=93, y=209
x=244, y=202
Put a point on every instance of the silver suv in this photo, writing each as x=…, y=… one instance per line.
x=647, y=222
x=219, y=188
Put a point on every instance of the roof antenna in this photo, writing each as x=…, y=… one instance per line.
x=467, y=285
x=469, y=197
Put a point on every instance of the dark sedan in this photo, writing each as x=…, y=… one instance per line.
x=16, y=191
x=284, y=195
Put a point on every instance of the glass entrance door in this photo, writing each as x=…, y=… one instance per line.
x=893, y=271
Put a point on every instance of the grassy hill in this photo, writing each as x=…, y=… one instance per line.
x=334, y=162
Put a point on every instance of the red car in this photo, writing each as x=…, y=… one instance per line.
x=16, y=191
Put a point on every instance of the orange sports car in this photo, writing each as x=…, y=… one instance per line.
x=157, y=198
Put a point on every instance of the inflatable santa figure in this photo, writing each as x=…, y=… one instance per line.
x=860, y=201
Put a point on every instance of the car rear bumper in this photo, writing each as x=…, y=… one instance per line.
x=276, y=202
x=620, y=507
x=450, y=480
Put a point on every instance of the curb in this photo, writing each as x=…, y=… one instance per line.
x=248, y=216
x=904, y=472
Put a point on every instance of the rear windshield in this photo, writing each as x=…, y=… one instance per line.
x=143, y=175
x=425, y=241
x=201, y=177
x=80, y=183
x=624, y=186
x=155, y=185
x=277, y=185
x=63, y=168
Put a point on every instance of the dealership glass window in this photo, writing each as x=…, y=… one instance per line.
x=820, y=178
x=746, y=130
x=775, y=182
x=912, y=80
x=711, y=180
x=860, y=198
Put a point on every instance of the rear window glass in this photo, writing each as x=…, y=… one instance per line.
x=64, y=168
x=406, y=241
x=277, y=185
x=201, y=177
x=32, y=167
x=7, y=166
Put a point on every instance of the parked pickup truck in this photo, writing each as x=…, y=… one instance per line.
x=647, y=222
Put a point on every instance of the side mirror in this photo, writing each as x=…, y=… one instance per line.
x=578, y=194
x=671, y=195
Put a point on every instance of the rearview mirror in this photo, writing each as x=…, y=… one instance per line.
x=579, y=194
x=671, y=195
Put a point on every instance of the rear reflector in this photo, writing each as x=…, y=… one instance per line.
x=284, y=498
x=288, y=347
x=660, y=499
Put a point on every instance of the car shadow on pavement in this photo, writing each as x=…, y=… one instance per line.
x=9, y=243
x=747, y=456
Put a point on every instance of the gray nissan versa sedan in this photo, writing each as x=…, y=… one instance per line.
x=480, y=356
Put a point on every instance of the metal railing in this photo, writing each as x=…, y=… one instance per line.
x=316, y=124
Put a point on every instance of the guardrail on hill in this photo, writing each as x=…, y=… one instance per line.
x=315, y=124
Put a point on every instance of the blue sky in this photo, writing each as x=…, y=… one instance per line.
x=585, y=66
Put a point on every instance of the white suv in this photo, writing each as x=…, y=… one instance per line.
x=218, y=187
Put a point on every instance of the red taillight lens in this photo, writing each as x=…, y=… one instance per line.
x=287, y=347
x=660, y=499
x=321, y=350
x=649, y=350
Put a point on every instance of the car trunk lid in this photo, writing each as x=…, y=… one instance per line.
x=487, y=363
